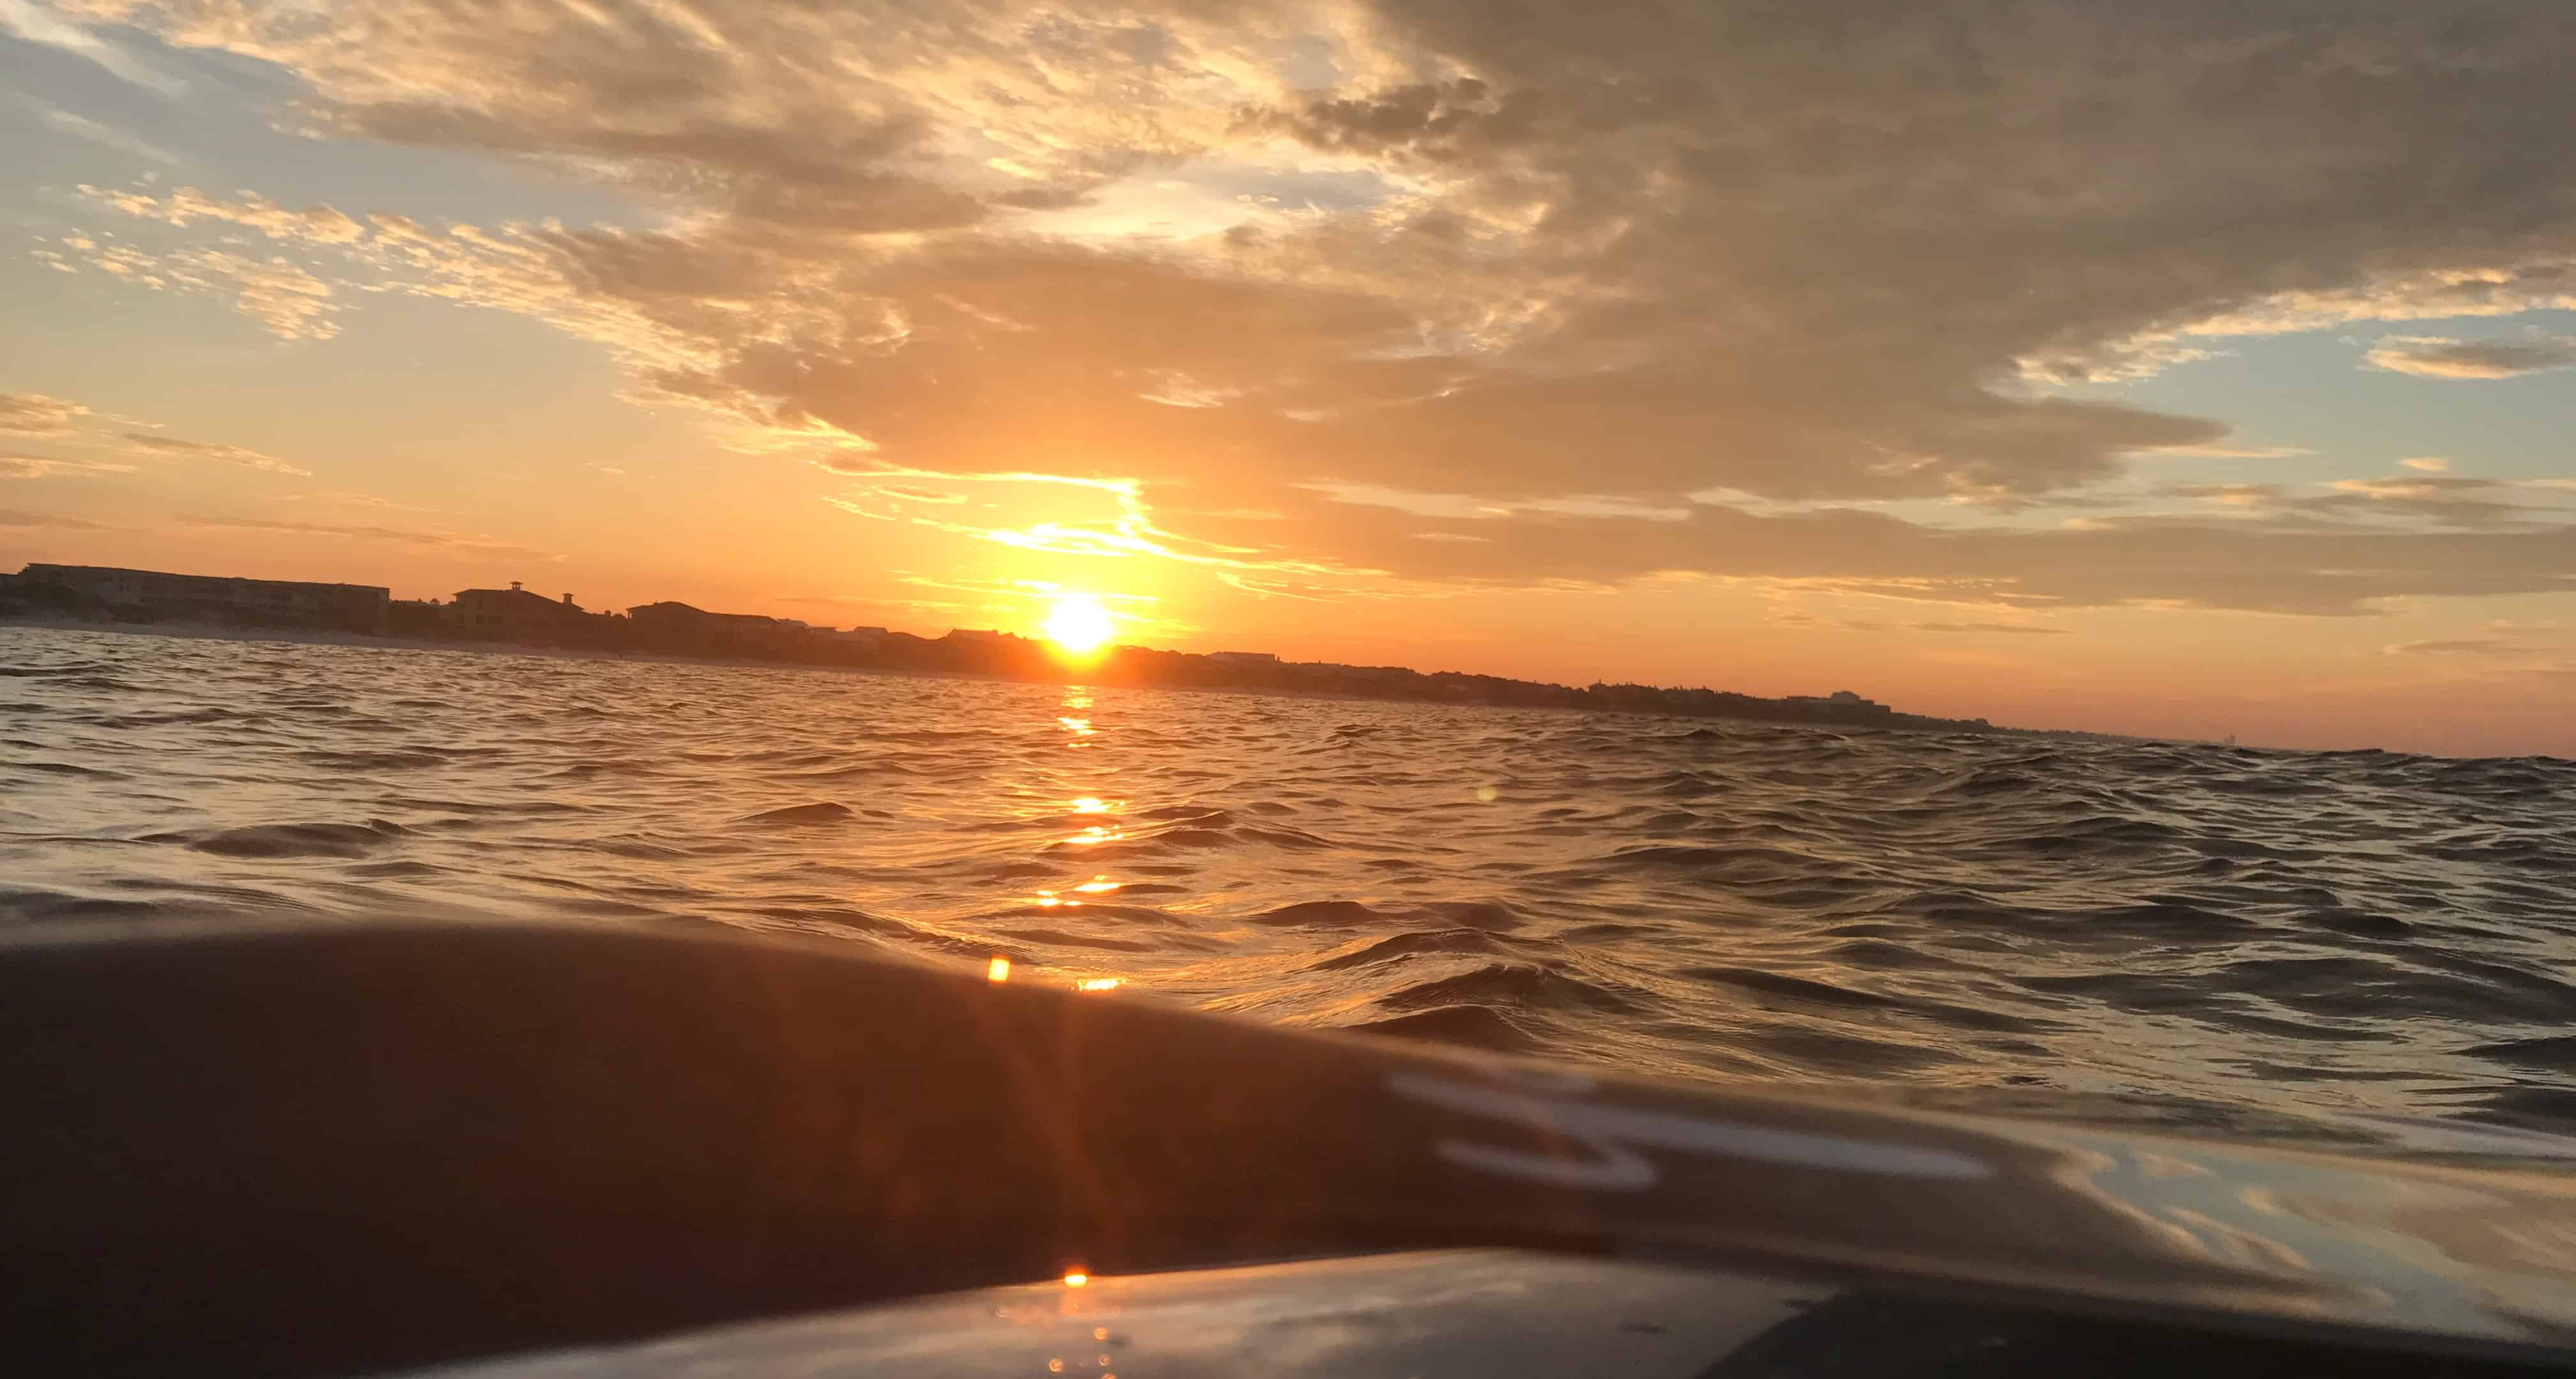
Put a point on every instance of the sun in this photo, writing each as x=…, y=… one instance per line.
x=1078, y=624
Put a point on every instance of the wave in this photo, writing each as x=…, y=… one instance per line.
x=1980, y=917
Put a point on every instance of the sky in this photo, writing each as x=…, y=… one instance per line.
x=2203, y=368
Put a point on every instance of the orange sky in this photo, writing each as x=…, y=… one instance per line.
x=2200, y=371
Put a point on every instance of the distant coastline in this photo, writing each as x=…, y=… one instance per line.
x=1067, y=675
x=516, y=622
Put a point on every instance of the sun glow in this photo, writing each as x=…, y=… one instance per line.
x=1078, y=624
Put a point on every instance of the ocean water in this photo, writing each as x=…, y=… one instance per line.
x=2181, y=934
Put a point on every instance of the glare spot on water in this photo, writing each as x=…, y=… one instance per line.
x=1097, y=984
x=1098, y=884
x=1486, y=794
x=998, y=970
x=1090, y=804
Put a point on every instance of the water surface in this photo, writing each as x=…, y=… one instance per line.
x=2161, y=932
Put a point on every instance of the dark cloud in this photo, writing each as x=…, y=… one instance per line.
x=1813, y=253
x=2340, y=569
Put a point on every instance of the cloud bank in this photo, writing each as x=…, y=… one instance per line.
x=1568, y=266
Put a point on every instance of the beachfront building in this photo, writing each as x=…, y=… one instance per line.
x=674, y=626
x=159, y=596
x=1842, y=699
x=516, y=615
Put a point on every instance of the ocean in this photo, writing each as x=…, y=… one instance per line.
x=2155, y=934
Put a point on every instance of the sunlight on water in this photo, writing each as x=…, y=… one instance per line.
x=1981, y=917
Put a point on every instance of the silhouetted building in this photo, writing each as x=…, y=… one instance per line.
x=681, y=627
x=515, y=615
x=1843, y=699
x=165, y=597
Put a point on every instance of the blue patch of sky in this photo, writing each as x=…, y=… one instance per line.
x=2313, y=390
x=229, y=122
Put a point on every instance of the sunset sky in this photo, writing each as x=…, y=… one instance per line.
x=2189, y=367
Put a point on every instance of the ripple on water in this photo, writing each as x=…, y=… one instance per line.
x=2148, y=930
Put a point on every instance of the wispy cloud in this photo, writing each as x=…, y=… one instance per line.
x=2459, y=646
x=104, y=135
x=278, y=293
x=10, y=517
x=2226, y=451
x=462, y=544
x=34, y=414
x=2440, y=356
x=35, y=24
x=38, y=467
x=145, y=443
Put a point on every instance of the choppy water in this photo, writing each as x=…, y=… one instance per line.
x=2009, y=920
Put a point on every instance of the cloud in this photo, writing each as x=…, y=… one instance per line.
x=25, y=20
x=2225, y=451
x=10, y=517
x=2231, y=495
x=2460, y=646
x=37, y=467
x=34, y=414
x=1485, y=257
x=104, y=135
x=185, y=205
x=2427, y=464
x=2013, y=628
x=2424, y=497
x=476, y=546
x=2302, y=564
x=145, y=443
x=2438, y=356
x=2450, y=500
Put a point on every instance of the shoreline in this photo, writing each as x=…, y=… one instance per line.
x=363, y=641
x=394, y=642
